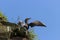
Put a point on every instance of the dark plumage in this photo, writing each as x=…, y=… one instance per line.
x=26, y=20
x=26, y=23
x=25, y=27
x=36, y=23
x=33, y=24
x=8, y=23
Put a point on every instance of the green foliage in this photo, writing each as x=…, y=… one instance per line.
x=3, y=16
x=31, y=32
x=3, y=28
x=31, y=35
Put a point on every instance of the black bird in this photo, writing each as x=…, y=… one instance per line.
x=33, y=24
x=8, y=23
x=26, y=23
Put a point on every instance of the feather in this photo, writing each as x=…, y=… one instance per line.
x=36, y=23
x=8, y=23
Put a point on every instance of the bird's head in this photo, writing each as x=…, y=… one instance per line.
x=26, y=20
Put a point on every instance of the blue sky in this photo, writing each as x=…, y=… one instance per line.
x=47, y=11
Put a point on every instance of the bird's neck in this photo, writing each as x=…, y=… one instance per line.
x=26, y=22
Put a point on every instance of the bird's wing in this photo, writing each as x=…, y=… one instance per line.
x=8, y=23
x=36, y=23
